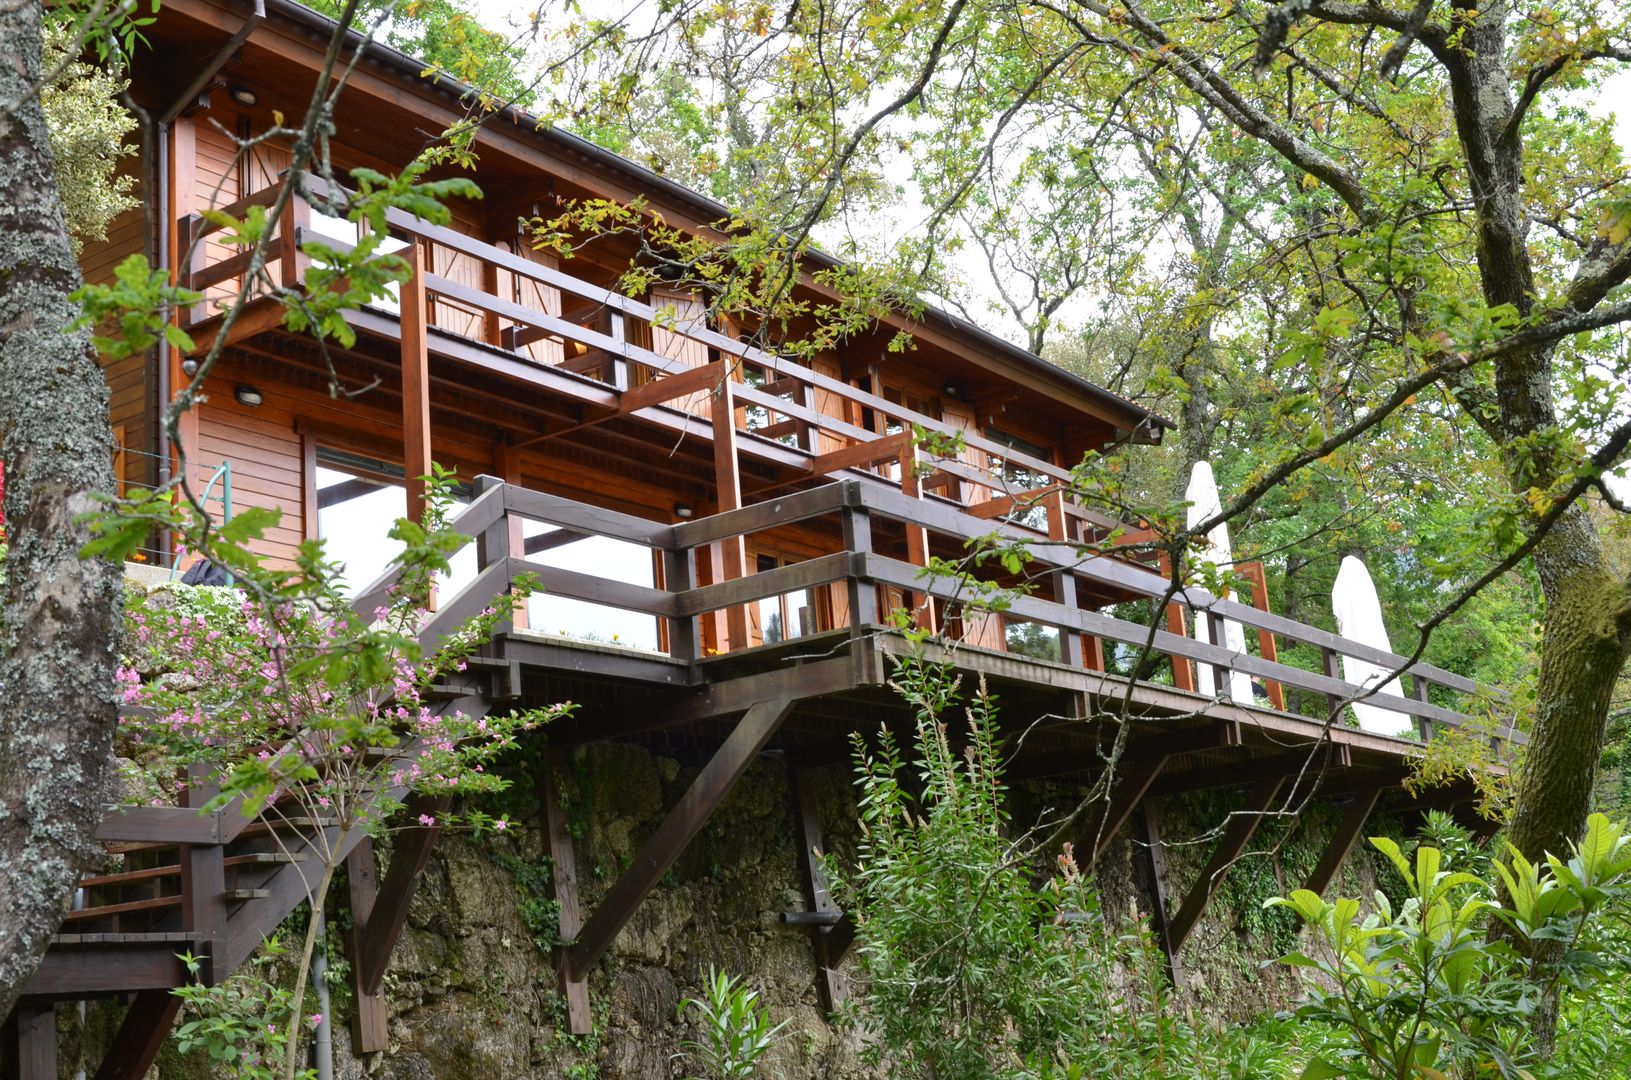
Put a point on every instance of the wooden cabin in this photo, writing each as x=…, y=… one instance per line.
x=720, y=532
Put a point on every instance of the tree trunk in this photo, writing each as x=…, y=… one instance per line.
x=61, y=615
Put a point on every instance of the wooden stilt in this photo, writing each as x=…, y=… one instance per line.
x=369, y=1018
x=1267, y=647
x=1155, y=866
x=564, y=879
x=706, y=792
x=834, y=988
x=1130, y=788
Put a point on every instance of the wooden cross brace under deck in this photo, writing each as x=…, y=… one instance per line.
x=716, y=780
x=1237, y=833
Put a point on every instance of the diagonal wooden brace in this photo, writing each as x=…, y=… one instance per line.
x=384, y=924
x=706, y=792
x=1242, y=826
x=1343, y=840
x=141, y=1036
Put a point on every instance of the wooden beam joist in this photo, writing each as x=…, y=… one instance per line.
x=707, y=377
x=390, y=913
x=706, y=792
x=140, y=1037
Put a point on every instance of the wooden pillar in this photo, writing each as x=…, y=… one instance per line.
x=203, y=887
x=1155, y=865
x=1267, y=647
x=834, y=988
x=917, y=537
x=862, y=593
x=492, y=331
x=369, y=1018
x=1183, y=674
x=291, y=260
x=1342, y=841
x=183, y=200
x=504, y=538
x=1064, y=581
x=680, y=575
x=732, y=553
x=564, y=878
x=1418, y=690
x=33, y=1040
x=415, y=380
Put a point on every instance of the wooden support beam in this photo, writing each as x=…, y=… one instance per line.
x=1347, y=834
x=415, y=381
x=834, y=987
x=1183, y=672
x=731, y=556
x=1156, y=866
x=369, y=1018
x=31, y=1042
x=1237, y=833
x=1071, y=651
x=564, y=879
x=141, y=1036
x=408, y=858
x=861, y=454
x=917, y=537
x=203, y=887
x=1311, y=763
x=657, y=391
x=1267, y=647
x=1127, y=795
x=706, y=792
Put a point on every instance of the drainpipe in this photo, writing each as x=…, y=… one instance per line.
x=322, y=1040
x=161, y=137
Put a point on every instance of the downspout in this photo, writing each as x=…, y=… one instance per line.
x=162, y=190
x=322, y=1041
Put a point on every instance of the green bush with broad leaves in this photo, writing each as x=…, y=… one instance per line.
x=1445, y=985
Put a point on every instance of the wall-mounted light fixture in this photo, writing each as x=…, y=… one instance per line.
x=243, y=96
x=189, y=367
x=950, y=389
x=683, y=511
x=248, y=397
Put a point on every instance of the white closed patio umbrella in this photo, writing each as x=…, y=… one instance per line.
x=1359, y=618
x=1202, y=496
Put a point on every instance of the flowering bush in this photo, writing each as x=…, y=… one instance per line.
x=278, y=693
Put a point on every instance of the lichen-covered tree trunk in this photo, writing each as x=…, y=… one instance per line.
x=59, y=615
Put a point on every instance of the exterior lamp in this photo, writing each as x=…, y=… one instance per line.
x=243, y=96
x=248, y=397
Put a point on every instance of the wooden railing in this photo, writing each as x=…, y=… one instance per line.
x=772, y=399
x=859, y=570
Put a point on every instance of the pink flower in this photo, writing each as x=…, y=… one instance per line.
x=314, y=1019
x=426, y=820
x=501, y=825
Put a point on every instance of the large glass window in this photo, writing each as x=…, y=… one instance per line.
x=358, y=499
x=597, y=556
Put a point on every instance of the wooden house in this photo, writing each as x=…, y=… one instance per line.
x=720, y=532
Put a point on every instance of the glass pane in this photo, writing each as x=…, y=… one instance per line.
x=597, y=556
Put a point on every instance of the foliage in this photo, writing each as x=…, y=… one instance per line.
x=736, y=1028
x=1424, y=989
x=285, y=697
x=244, y=1022
x=90, y=132
x=975, y=969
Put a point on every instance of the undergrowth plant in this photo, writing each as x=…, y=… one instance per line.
x=1446, y=985
x=736, y=1029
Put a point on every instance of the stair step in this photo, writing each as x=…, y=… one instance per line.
x=128, y=877
x=246, y=894
x=164, y=937
x=153, y=903
x=263, y=828
x=264, y=858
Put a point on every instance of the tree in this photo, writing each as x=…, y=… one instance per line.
x=59, y=614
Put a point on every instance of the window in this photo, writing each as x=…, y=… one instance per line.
x=790, y=615
x=358, y=499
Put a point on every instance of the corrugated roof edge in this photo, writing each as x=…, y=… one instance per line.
x=646, y=178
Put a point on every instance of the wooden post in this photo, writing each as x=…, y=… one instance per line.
x=679, y=575
x=291, y=260
x=917, y=537
x=1183, y=674
x=1333, y=667
x=834, y=988
x=183, y=201
x=1155, y=865
x=409, y=854
x=204, y=886
x=34, y=1025
x=862, y=593
x=1064, y=581
x=1267, y=647
x=369, y=1018
x=732, y=551
x=1418, y=690
x=500, y=541
x=140, y=1037
x=415, y=381
x=564, y=879
x=492, y=331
